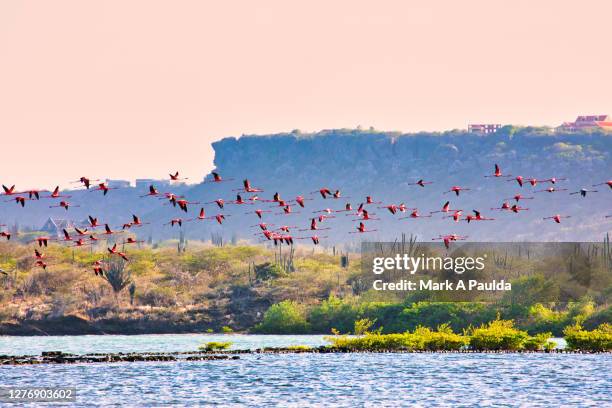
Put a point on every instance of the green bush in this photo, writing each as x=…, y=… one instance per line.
x=421, y=339
x=215, y=346
x=333, y=313
x=497, y=335
x=599, y=339
x=286, y=317
x=539, y=342
x=268, y=271
x=227, y=330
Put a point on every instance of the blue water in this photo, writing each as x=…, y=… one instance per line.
x=34, y=345
x=318, y=379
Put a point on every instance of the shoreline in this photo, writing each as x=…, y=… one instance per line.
x=58, y=357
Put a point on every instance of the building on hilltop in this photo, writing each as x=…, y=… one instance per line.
x=484, y=127
x=588, y=122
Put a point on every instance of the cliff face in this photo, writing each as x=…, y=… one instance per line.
x=383, y=164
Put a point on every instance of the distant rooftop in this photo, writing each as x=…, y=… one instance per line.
x=588, y=122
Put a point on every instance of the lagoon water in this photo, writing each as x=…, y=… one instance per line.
x=312, y=379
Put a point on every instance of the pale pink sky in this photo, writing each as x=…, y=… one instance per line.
x=128, y=89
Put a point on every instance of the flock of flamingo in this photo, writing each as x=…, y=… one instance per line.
x=278, y=234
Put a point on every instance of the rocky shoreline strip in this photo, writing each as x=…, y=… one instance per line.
x=58, y=357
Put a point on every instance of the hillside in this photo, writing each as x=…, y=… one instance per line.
x=382, y=164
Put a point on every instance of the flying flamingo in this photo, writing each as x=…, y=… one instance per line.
x=285, y=228
x=114, y=251
x=415, y=214
x=131, y=240
x=365, y=216
x=324, y=192
x=263, y=225
x=67, y=236
x=136, y=222
x=421, y=183
x=498, y=172
x=445, y=208
x=104, y=188
x=80, y=242
x=42, y=241
x=347, y=208
x=361, y=229
x=391, y=207
x=505, y=206
x=583, y=192
x=109, y=231
x=287, y=211
x=175, y=177
x=519, y=197
x=516, y=208
x=80, y=232
x=175, y=221
x=35, y=194
x=314, y=238
x=608, y=183
x=5, y=234
x=519, y=180
x=220, y=202
x=447, y=239
x=38, y=254
x=56, y=194
x=533, y=181
x=552, y=180
x=152, y=192
x=314, y=226
x=369, y=200
x=258, y=212
x=41, y=264
x=557, y=218
x=550, y=190
x=216, y=178
x=456, y=190
x=300, y=200
x=19, y=200
x=456, y=215
x=239, y=200
x=249, y=189
x=64, y=205
x=220, y=218
x=182, y=203
x=337, y=194
x=93, y=222
x=201, y=216
x=10, y=190
x=85, y=181
x=477, y=217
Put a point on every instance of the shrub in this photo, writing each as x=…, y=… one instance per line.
x=421, y=339
x=599, y=339
x=497, y=335
x=227, y=330
x=268, y=271
x=539, y=342
x=286, y=317
x=215, y=346
x=158, y=296
x=333, y=312
x=362, y=326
